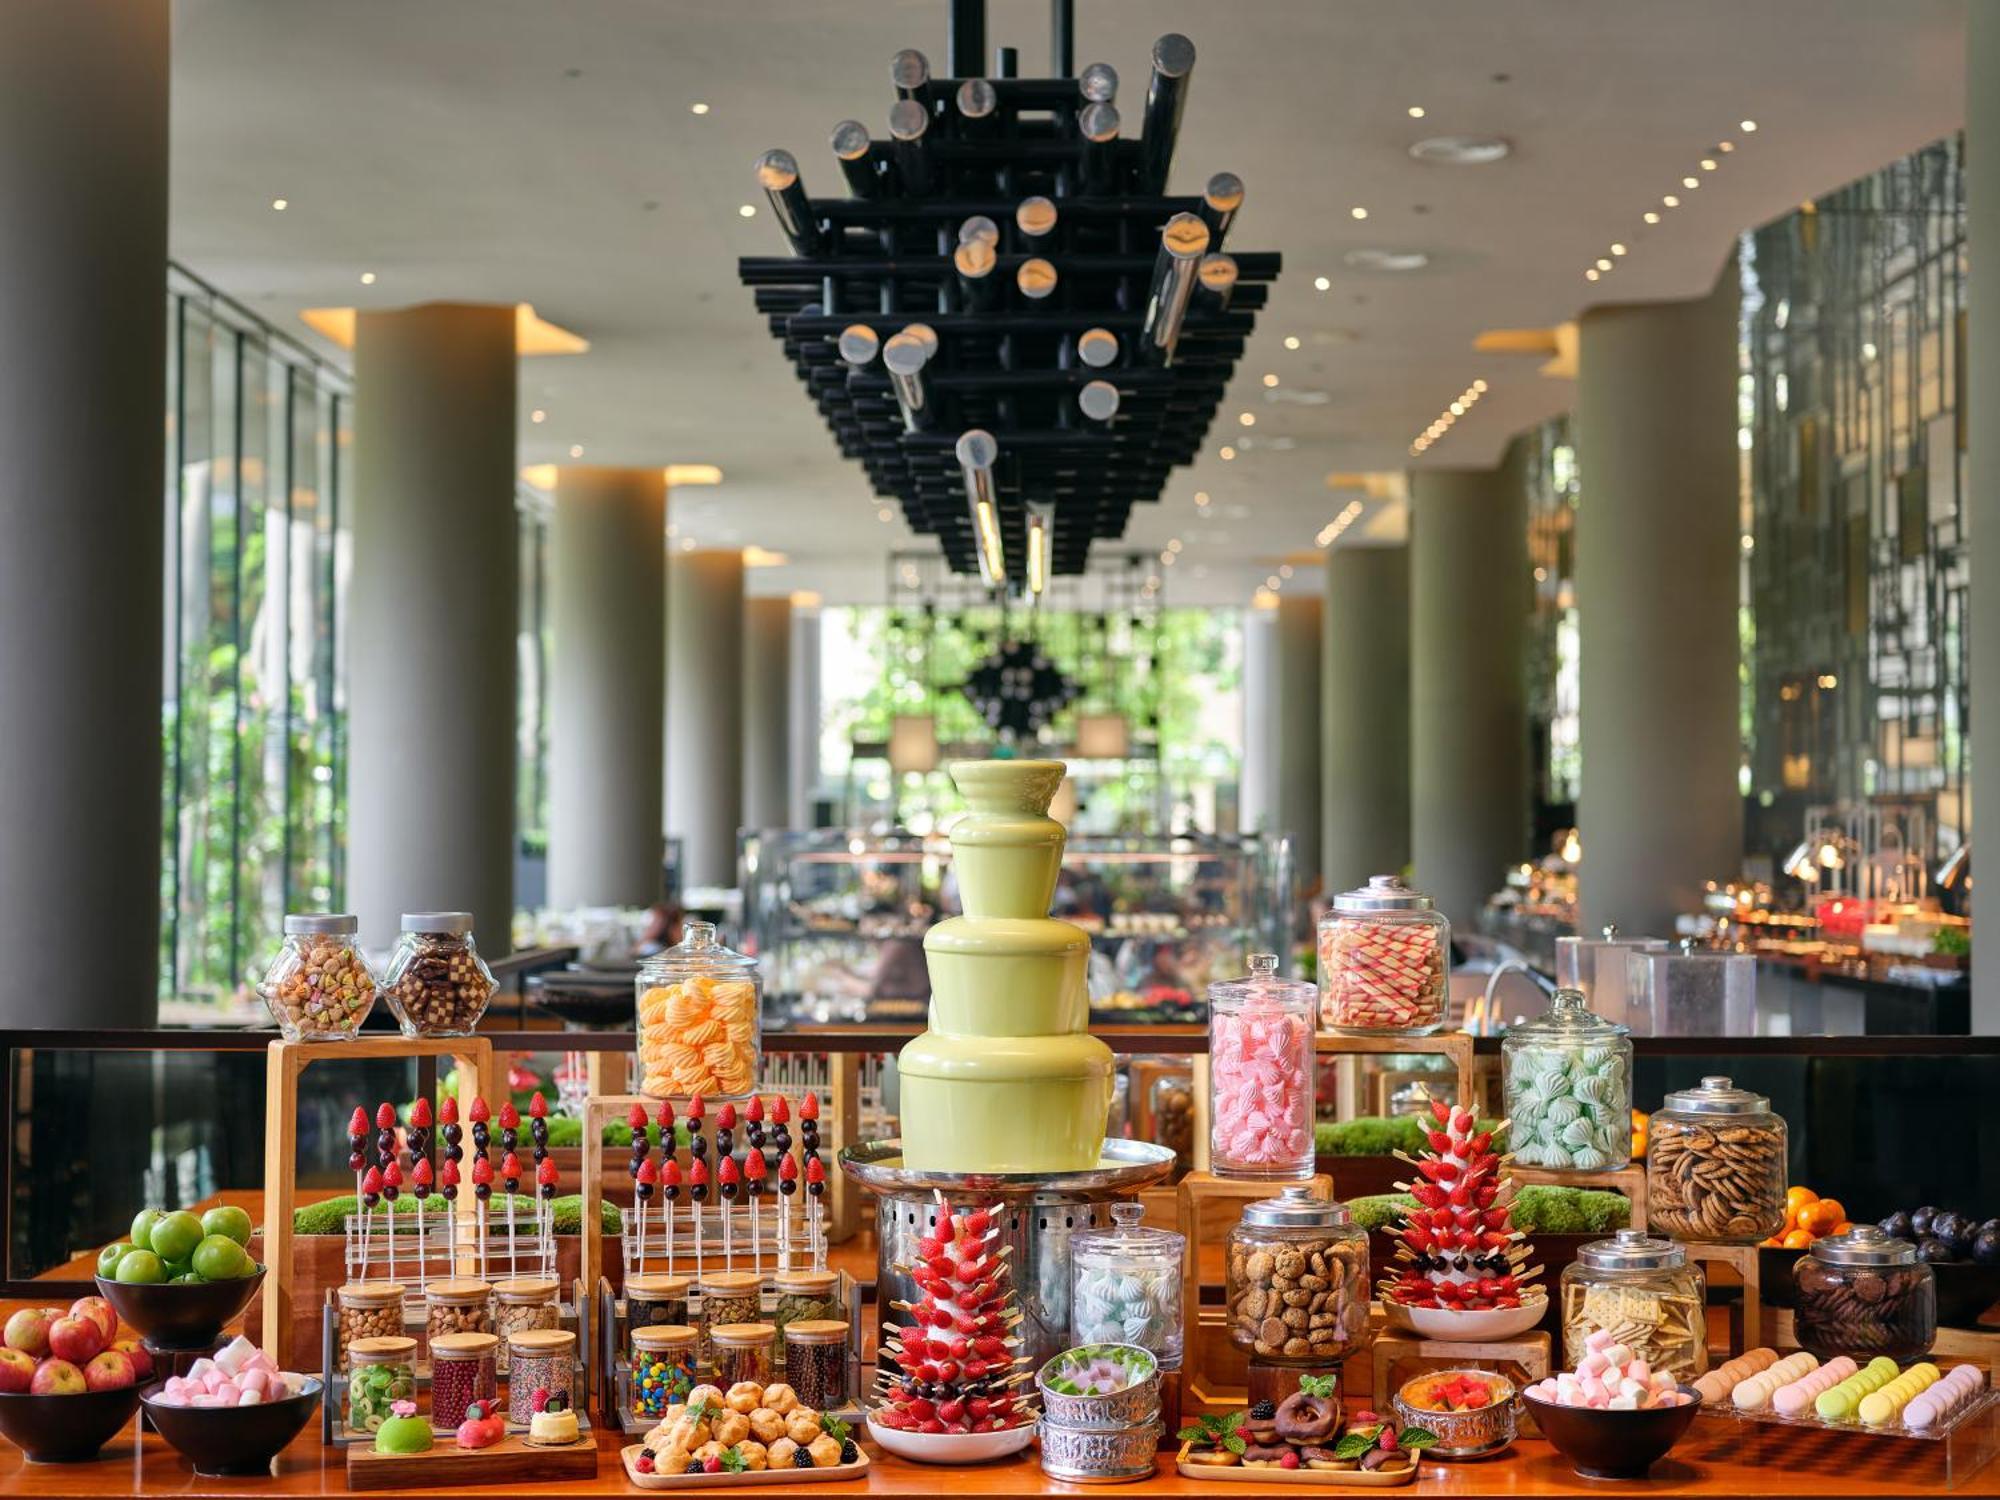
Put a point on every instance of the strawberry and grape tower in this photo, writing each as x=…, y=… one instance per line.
x=958, y=1355
x=1458, y=1247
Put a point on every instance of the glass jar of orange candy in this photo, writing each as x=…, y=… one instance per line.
x=699, y=1020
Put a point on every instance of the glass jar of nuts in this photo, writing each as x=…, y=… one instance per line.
x=1644, y=1291
x=318, y=988
x=1298, y=1280
x=437, y=983
x=804, y=1295
x=368, y=1310
x=462, y=1306
x=728, y=1297
x=1715, y=1166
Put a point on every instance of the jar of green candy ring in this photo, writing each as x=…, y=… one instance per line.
x=379, y=1371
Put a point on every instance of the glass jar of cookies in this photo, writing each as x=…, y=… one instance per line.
x=1715, y=1165
x=700, y=1013
x=436, y=982
x=655, y=1301
x=1645, y=1293
x=1297, y=1290
x=319, y=988
x=1865, y=1293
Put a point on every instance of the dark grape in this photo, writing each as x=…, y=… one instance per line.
x=1986, y=1247
x=1937, y=1252
x=1920, y=1221
x=1898, y=1226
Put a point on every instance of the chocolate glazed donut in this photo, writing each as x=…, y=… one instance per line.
x=1265, y=1453
x=1308, y=1420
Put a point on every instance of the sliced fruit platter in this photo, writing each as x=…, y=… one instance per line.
x=1302, y=1441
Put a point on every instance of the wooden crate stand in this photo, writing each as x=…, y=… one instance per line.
x=284, y=1062
x=1453, y=1045
x=1523, y=1360
x=1746, y=1329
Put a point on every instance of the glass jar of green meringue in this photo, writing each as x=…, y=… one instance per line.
x=1567, y=1078
x=1125, y=1285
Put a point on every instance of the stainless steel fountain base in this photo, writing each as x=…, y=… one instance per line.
x=1042, y=1211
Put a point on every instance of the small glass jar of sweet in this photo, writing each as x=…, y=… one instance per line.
x=662, y=1362
x=815, y=1355
x=1646, y=1294
x=803, y=1295
x=538, y=1360
x=1125, y=1285
x=523, y=1304
x=744, y=1351
x=700, y=1013
x=1260, y=1074
x=1864, y=1293
x=1384, y=961
x=380, y=1370
x=465, y=1367
x=367, y=1310
x=457, y=1305
x=1567, y=1079
x=654, y=1301
x=319, y=988
x=1297, y=1289
x=436, y=982
x=727, y=1297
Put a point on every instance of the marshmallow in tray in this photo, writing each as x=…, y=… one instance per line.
x=1610, y=1377
x=238, y=1374
x=1959, y=1385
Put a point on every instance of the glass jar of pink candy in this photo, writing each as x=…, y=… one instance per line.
x=1384, y=960
x=1260, y=1074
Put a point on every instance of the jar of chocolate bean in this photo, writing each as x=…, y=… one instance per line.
x=368, y=1310
x=744, y=1351
x=437, y=983
x=318, y=988
x=464, y=1369
x=1297, y=1290
x=654, y=1301
x=816, y=1362
x=1865, y=1293
x=662, y=1366
x=804, y=1295
x=461, y=1306
x=1715, y=1166
x=538, y=1360
x=728, y=1297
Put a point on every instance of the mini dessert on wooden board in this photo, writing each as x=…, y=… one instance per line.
x=1302, y=1443
x=406, y=1456
x=750, y=1434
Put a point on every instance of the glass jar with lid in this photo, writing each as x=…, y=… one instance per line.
x=539, y=1360
x=1567, y=1079
x=319, y=988
x=459, y=1305
x=1865, y=1293
x=379, y=1371
x=654, y=1301
x=1170, y=1107
x=1260, y=1074
x=1715, y=1165
x=368, y=1310
x=1646, y=1294
x=803, y=1295
x=728, y=1297
x=1125, y=1285
x=1297, y=1288
x=744, y=1351
x=699, y=1018
x=464, y=1369
x=663, y=1367
x=1384, y=958
x=815, y=1362
x=437, y=983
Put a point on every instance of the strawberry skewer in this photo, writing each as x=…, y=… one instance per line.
x=788, y=1186
x=670, y=1189
x=753, y=1174
x=510, y=1179
x=727, y=1178
x=357, y=1163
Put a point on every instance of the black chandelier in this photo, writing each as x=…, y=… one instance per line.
x=1018, y=691
x=1009, y=324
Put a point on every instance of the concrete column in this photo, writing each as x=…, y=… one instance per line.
x=1257, y=791
x=1469, y=600
x=1364, y=715
x=431, y=634
x=609, y=610
x=1982, y=422
x=767, y=711
x=705, y=712
x=803, y=770
x=83, y=259
x=1296, y=722
x=1657, y=555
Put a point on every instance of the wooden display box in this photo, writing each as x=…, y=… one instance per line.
x=1746, y=1320
x=1455, y=1046
x=1396, y=1356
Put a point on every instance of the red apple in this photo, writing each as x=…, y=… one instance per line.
x=57, y=1377
x=109, y=1371
x=28, y=1331
x=100, y=1310
x=17, y=1372
x=140, y=1355
x=78, y=1340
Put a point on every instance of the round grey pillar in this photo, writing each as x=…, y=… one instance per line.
x=1469, y=599
x=608, y=691
x=83, y=262
x=1364, y=715
x=431, y=638
x=1982, y=495
x=1657, y=558
x=1257, y=787
x=804, y=768
x=767, y=711
x=705, y=713
x=1295, y=721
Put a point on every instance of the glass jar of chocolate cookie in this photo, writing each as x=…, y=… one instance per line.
x=1865, y=1293
x=437, y=983
x=1715, y=1166
x=1297, y=1290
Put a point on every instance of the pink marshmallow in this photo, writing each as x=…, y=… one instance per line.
x=1596, y=1339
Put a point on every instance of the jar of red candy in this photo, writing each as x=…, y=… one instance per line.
x=1260, y=1074
x=464, y=1369
x=1384, y=958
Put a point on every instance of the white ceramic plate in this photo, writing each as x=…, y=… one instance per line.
x=1476, y=1325
x=951, y=1447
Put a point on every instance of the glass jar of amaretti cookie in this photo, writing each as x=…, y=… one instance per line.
x=1715, y=1166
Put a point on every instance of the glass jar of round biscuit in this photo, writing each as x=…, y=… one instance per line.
x=655, y=1301
x=380, y=1372
x=436, y=982
x=457, y=1306
x=744, y=1351
x=700, y=1014
x=728, y=1297
x=1865, y=1293
x=1297, y=1289
x=368, y=1310
x=1645, y=1292
x=1715, y=1166
x=803, y=1294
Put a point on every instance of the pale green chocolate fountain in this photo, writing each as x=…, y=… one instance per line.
x=1008, y=1078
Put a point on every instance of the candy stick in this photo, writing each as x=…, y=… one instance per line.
x=670, y=1189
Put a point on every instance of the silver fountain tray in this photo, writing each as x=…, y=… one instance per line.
x=1124, y=1167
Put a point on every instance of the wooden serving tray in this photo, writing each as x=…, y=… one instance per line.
x=1343, y=1478
x=727, y=1481
x=512, y=1460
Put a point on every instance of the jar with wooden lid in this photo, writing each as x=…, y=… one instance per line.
x=368, y=1310
x=457, y=1306
x=538, y=1359
x=379, y=1371
x=464, y=1369
x=524, y=1303
x=743, y=1351
x=663, y=1367
x=815, y=1354
x=728, y=1297
x=653, y=1301
x=804, y=1294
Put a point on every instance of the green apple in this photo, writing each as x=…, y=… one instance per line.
x=107, y=1258
x=141, y=1267
x=219, y=1258
x=176, y=1235
x=142, y=1226
x=176, y=1269
x=229, y=1220
x=190, y=1278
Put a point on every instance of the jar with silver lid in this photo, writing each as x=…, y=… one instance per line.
x=1297, y=1289
x=1865, y=1293
x=318, y=987
x=1567, y=1079
x=1260, y=1074
x=436, y=982
x=1644, y=1292
x=1384, y=961
x=1125, y=1285
x=1715, y=1165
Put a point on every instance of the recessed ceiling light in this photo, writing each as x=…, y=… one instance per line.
x=1591, y=274
x=1174, y=545
x=687, y=544
x=1617, y=249
x=1291, y=341
x=1603, y=264
x=1749, y=127
x=368, y=278
x=1458, y=408
x=1725, y=147
x=1690, y=182
x=1651, y=217
x=1357, y=212
x=1321, y=284
x=538, y=415
x=1671, y=201
x=281, y=204
x=1709, y=164
x=1201, y=499
x=1479, y=386
x=576, y=450
x=1460, y=150
x=884, y=514
x=1386, y=260
x=1270, y=379
x=1247, y=418
x=1227, y=453
x=1416, y=111
x=748, y=211
x=697, y=108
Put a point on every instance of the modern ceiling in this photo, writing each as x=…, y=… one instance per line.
x=522, y=150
